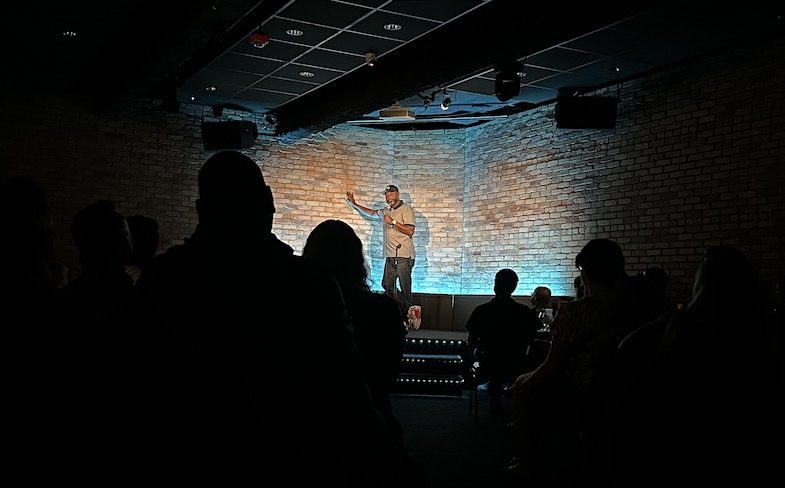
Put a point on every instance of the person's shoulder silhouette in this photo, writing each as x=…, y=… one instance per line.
x=245, y=333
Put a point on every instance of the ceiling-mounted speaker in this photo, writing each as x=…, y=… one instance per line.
x=508, y=80
x=508, y=85
x=230, y=134
x=575, y=112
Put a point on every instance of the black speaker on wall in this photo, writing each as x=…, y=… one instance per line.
x=508, y=85
x=573, y=112
x=230, y=134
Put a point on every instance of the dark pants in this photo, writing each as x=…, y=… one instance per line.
x=400, y=269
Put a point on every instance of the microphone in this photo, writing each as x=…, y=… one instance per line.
x=396, y=255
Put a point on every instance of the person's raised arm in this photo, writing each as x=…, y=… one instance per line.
x=351, y=201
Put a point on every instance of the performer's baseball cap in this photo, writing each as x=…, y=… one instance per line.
x=390, y=188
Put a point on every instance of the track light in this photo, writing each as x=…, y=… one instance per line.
x=446, y=101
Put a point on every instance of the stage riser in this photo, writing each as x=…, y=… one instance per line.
x=434, y=346
x=432, y=366
x=437, y=385
x=425, y=364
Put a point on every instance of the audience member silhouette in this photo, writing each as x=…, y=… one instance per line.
x=542, y=302
x=580, y=291
x=28, y=236
x=144, y=244
x=659, y=279
x=245, y=386
x=102, y=242
x=375, y=317
x=716, y=388
x=778, y=313
x=500, y=331
x=56, y=416
x=576, y=382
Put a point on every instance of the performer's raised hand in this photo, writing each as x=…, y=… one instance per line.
x=350, y=197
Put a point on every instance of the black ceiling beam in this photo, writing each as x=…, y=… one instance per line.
x=500, y=31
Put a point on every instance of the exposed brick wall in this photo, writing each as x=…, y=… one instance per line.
x=310, y=179
x=429, y=168
x=696, y=159
x=145, y=160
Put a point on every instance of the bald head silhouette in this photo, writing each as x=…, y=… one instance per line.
x=233, y=193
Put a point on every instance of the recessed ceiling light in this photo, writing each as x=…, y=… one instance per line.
x=210, y=88
x=306, y=74
x=294, y=32
x=392, y=27
x=69, y=33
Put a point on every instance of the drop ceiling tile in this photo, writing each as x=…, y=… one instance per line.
x=311, y=34
x=284, y=85
x=561, y=59
x=410, y=27
x=249, y=64
x=233, y=78
x=330, y=59
x=370, y=3
x=571, y=79
x=222, y=80
x=477, y=85
x=334, y=14
x=283, y=51
x=360, y=44
x=292, y=71
x=429, y=9
x=606, y=42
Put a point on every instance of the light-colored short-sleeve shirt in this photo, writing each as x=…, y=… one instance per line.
x=392, y=237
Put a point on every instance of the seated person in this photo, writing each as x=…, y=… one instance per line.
x=543, y=305
x=501, y=331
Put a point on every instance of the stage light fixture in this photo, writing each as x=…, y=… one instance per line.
x=446, y=101
x=370, y=59
x=508, y=80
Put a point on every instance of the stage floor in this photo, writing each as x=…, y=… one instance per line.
x=437, y=334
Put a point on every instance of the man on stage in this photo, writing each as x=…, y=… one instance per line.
x=398, y=219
